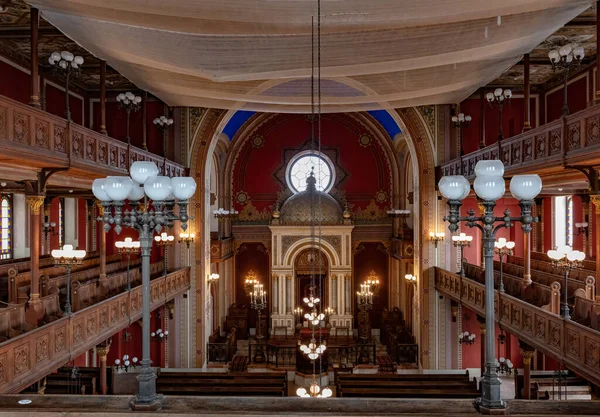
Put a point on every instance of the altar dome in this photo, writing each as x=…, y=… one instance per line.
x=297, y=209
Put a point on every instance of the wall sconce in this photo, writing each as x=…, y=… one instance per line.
x=186, y=238
x=212, y=279
x=50, y=228
x=250, y=282
x=436, y=237
x=410, y=278
x=582, y=228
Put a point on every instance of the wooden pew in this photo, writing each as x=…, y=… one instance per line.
x=222, y=383
x=14, y=321
x=543, y=383
x=407, y=385
x=86, y=382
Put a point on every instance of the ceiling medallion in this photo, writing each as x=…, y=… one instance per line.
x=365, y=140
x=242, y=197
x=258, y=141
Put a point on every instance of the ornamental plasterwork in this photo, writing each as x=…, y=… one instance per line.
x=335, y=241
x=195, y=116
x=428, y=114
x=251, y=214
x=287, y=241
x=371, y=213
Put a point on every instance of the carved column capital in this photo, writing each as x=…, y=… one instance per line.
x=595, y=200
x=102, y=352
x=100, y=208
x=527, y=355
x=35, y=203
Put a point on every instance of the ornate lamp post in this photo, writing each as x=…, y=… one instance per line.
x=125, y=363
x=565, y=59
x=567, y=259
x=258, y=301
x=497, y=99
x=460, y=121
x=131, y=104
x=163, y=122
x=128, y=247
x=582, y=228
x=66, y=63
x=503, y=248
x=221, y=215
x=160, y=335
x=145, y=184
x=489, y=186
x=49, y=228
x=68, y=257
x=164, y=240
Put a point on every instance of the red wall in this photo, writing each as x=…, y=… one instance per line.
x=366, y=167
x=16, y=83
x=251, y=256
x=55, y=104
x=577, y=99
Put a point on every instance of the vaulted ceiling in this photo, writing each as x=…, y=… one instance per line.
x=400, y=66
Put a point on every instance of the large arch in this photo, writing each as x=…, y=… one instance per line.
x=420, y=143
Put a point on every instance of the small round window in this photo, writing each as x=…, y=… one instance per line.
x=302, y=164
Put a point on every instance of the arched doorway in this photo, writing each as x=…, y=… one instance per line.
x=311, y=263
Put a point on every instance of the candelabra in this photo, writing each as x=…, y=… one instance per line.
x=314, y=391
x=126, y=363
x=466, y=338
x=504, y=366
x=164, y=240
x=250, y=282
x=146, y=219
x=582, y=228
x=187, y=238
x=258, y=301
x=568, y=259
x=131, y=104
x=373, y=283
x=128, y=247
x=160, y=335
x=68, y=257
x=436, y=237
x=364, y=297
x=503, y=248
x=221, y=215
x=489, y=186
x=497, y=99
x=328, y=312
x=68, y=64
x=212, y=279
x=566, y=59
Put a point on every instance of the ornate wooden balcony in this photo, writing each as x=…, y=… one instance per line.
x=29, y=357
x=574, y=139
x=221, y=249
x=578, y=346
x=32, y=137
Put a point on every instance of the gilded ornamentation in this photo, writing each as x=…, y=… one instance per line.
x=195, y=116
x=287, y=241
x=41, y=349
x=334, y=241
x=371, y=213
x=35, y=203
x=365, y=140
x=258, y=141
x=41, y=133
x=250, y=214
x=309, y=261
x=21, y=127
x=357, y=247
x=428, y=114
x=21, y=359
x=381, y=196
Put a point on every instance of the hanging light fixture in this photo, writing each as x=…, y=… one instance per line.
x=312, y=350
x=314, y=390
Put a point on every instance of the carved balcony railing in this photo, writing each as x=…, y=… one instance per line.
x=29, y=134
x=29, y=357
x=221, y=249
x=578, y=346
x=574, y=139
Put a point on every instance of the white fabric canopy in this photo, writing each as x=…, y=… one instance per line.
x=256, y=54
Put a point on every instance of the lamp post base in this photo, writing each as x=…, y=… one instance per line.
x=154, y=404
x=490, y=391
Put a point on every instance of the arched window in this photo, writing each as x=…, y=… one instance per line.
x=6, y=226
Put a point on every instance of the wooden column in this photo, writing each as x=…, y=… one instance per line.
x=103, y=98
x=103, y=353
x=35, y=84
x=596, y=237
x=482, y=119
x=35, y=203
x=144, y=117
x=527, y=259
x=92, y=223
x=482, y=332
x=527, y=352
x=526, y=88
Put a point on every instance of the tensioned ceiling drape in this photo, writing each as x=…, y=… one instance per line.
x=256, y=54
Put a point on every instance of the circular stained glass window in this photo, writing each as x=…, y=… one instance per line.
x=301, y=166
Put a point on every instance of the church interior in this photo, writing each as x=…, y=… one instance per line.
x=229, y=207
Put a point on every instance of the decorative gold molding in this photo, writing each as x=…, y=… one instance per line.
x=100, y=208
x=35, y=203
x=102, y=352
x=595, y=199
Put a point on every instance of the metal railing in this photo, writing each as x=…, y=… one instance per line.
x=220, y=352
